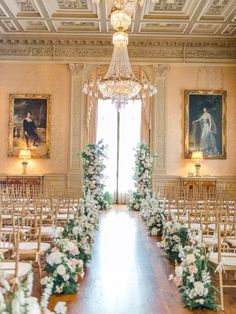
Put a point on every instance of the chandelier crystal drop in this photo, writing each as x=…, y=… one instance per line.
x=120, y=83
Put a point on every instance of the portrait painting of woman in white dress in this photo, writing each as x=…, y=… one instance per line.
x=207, y=141
x=205, y=123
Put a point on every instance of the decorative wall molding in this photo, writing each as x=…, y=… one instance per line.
x=147, y=49
x=57, y=180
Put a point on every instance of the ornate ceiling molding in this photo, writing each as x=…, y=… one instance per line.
x=145, y=49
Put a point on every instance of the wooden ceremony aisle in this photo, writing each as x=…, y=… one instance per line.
x=128, y=273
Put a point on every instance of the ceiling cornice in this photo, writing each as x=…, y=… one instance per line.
x=147, y=49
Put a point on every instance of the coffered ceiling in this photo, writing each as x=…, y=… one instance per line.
x=173, y=18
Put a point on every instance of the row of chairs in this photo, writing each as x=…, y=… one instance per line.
x=211, y=218
x=31, y=191
x=27, y=229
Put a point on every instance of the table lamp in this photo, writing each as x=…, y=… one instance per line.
x=24, y=154
x=197, y=156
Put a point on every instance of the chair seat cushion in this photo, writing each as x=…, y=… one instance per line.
x=32, y=247
x=25, y=229
x=222, y=227
x=5, y=246
x=197, y=226
x=6, y=216
x=210, y=240
x=8, y=269
x=64, y=216
x=49, y=231
x=232, y=242
x=228, y=259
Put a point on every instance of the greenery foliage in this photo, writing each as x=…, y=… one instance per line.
x=175, y=237
x=93, y=173
x=193, y=279
x=142, y=176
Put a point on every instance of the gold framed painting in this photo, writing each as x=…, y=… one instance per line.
x=205, y=123
x=30, y=125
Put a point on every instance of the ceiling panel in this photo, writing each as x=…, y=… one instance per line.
x=183, y=18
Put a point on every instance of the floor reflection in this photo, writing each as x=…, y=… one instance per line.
x=128, y=273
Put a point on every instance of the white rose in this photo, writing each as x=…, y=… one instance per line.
x=190, y=259
x=179, y=271
x=75, y=230
x=54, y=258
x=154, y=231
x=61, y=270
x=60, y=308
x=66, y=277
x=71, y=247
x=198, y=287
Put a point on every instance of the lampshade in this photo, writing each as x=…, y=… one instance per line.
x=25, y=154
x=197, y=155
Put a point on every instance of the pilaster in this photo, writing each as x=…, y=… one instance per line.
x=158, y=130
x=77, y=126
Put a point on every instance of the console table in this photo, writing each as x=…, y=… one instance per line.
x=29, y=180
x=198, y=182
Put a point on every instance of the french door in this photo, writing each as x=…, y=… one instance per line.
x=121, y=132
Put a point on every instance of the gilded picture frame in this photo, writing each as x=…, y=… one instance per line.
x=205, y=123
x=30, y=125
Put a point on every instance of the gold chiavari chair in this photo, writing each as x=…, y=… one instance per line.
x=31, y=246
x=50, y=225
x=231, y=239
x=65, y=208
x=209, y=214
x=13, y=269
x=224, y=259
x=195, y=215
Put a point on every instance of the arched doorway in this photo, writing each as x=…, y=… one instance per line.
x=121, y=131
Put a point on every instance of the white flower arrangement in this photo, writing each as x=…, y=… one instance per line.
x=62, y=269
x=72, y=249
x=142, y=176
x=93, y=168
x=193, y=278
x=153, y=215
x=21, y=300
x=175, y=237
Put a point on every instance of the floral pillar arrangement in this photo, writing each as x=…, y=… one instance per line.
x=20, y=300
x=192, y=277
x=66, y=260
x=154, y=215
x=93, y=177
x=142, y=176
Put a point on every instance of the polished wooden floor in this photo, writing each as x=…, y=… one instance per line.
x=129, y=274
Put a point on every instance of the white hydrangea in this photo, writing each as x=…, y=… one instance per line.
x=199, y=288
x=54, y=258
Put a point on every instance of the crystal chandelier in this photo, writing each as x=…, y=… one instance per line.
x=120, y=83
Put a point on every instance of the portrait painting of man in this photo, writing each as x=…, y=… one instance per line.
x=29, y=126
x=205, y=123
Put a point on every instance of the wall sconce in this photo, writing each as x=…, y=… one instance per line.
x=197, y=156
x=24, y=154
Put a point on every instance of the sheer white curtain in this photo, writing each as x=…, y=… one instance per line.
x=107, y=130
x=121, y=134
x=130, y=120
